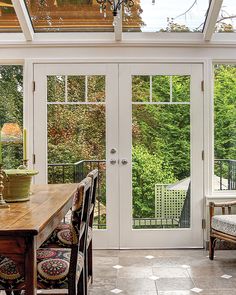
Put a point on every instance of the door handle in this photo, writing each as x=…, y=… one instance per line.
x=124, y=162
x=113, y=161
x=113, y=151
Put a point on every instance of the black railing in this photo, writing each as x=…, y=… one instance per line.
x=226, y=171
x=74, y=173
x=145, y=223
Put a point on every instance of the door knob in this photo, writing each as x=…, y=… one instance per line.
x=124, y=162
x=113, y=151
x=113, y=161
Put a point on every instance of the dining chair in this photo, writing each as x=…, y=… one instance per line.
x=94, y=177
x=61, y=236
x=58, y=268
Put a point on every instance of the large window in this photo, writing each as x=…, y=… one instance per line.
x=11, y=114
x=225, y=127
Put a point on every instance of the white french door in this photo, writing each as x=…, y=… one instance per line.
x=161, y=167
x=141, y=125
x=75, y=129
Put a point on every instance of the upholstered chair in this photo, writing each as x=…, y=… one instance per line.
x=223, y=226
x=61, y=236
x=58, y=268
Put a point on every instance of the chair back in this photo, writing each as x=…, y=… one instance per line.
x=94, y=178
x=79, y=224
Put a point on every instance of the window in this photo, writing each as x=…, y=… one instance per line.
x=11, y=114
x=225, y=127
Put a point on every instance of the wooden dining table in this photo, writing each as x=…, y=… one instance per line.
x=24, y=226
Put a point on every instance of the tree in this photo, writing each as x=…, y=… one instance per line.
x=11, y=109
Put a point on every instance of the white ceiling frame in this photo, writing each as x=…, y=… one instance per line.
x=118, y=25
x=24, y=19
x=212, y=16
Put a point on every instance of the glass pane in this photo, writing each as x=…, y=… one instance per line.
x=140, y=88
x=56, y=88
x=161, y=88
x=96, y=88
x=161, y=166
x=8, y=18
x=76, y=145
x=68, y=16
x=225, y=127
x=167, y=16
x=226, y=19
x=76, y=88
x=180, y=88
x=11, y=113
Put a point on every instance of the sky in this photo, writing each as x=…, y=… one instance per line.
x=155, y=15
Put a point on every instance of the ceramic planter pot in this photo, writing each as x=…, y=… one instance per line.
x=17, y=184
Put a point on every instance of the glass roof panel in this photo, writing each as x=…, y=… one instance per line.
x=8, y=18
x=68, y=16
x=166, y=15
x=227, y=17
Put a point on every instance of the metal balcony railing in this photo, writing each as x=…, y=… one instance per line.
x=226, y=171
x=74, y=173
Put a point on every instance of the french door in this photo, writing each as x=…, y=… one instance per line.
x=141, y=125
x=161, y=143
x=75, y=130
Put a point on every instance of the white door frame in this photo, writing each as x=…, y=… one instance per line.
x=161, y=238
x=109, y=237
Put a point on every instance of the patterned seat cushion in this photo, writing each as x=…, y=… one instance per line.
x=52, y=265
x=62, y=237
x=225, y=224
x=10, y=276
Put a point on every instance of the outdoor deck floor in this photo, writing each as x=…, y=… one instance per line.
x=163, y=272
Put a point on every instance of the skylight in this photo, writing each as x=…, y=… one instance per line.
x=68, y=16
x=8, y=18
x=227, y=18
x=166, y=15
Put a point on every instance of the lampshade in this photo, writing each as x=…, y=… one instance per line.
x=11, y=133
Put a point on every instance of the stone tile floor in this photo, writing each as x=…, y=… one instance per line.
x=163, y=272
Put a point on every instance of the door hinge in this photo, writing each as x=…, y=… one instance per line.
x=203, y=223
x=33, y=86
x=203, y=155
x=202, y=85
x=34, y=159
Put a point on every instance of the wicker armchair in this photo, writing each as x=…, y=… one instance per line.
x=222, y=227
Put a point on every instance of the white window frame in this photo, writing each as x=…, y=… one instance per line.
x=209, y=147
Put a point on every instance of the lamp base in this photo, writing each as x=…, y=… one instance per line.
x=3, y=204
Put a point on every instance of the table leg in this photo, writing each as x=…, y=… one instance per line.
x=30, y=266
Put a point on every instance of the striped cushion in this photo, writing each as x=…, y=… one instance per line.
x=90, y=235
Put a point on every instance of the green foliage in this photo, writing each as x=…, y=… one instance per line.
x=161, y=133
x=11, y=110
x=225, y=112
x=224, y=117
x=148, y=169
x=174, y=27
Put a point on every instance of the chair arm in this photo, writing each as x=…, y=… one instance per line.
x=222, y=204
